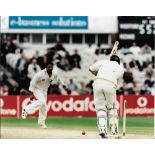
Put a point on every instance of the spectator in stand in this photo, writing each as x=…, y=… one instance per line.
x=83, y=89
x=22, y=78
x=42, y=61
x=152, y=91
x=69, y=58
x=150, y=70
x=131, y=88
x=126, y=89
x=64, y=64
x=89, y=49
x=3, y=88
x=135, y=88
x=90, y=86
x=122, y=89
x=146, y=63
x=145, y=90
x=146, y=49
x=125, y=50
x=25, y=42
x=25, y=39
x=134, y=49
x=135, y=63
x=36, y=55
x=149, y=81
x=21, y=62
x=128, y=76
x=76, y=59
x=14, y=89
x=59, y=47
x=33, y=68
x=57, y=60
x=72, y=86
x=98, y=51
x=124, y=63
x=10, y=46
x=7, y=46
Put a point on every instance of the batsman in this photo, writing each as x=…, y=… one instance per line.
x=108, y=75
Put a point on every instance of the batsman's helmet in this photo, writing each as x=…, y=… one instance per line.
x=115, y=58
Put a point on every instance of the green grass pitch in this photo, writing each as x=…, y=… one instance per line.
x=134, y=125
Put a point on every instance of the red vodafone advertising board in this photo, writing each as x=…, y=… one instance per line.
x=76, y=106
x=139, y=105
x=8, y=106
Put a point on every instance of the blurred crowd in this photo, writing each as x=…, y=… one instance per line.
x=23, y=69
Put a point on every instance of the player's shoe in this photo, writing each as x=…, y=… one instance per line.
x=24, y=114
x=102, y=132
x=113, y=131
x=42, y=125
x=103, y=135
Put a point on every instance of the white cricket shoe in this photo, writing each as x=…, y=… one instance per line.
x=24, y=114
x=113, y=129
x=42, y=125
x=102, y=131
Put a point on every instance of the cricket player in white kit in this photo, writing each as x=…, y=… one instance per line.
x=108, y=76
x=38, y=88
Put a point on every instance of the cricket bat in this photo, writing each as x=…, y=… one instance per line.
x=114, y=49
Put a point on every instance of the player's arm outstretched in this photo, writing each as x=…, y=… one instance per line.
x=60, y=82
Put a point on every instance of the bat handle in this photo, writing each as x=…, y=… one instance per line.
x=117, y=43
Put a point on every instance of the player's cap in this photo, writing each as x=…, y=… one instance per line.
x=115, y=58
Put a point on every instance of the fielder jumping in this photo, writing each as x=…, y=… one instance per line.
x=38, y=88
x=108, y=75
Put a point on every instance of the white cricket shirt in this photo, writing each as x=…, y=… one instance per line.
x=108, y=70
x=42, y=81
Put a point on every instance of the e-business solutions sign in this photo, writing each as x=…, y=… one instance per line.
x=48, y=22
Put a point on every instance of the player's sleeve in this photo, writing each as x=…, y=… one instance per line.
x=59, y=81
x=96, y=66
x=33, y=82
x=120, y=79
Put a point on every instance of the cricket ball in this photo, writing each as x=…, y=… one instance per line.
x=83, y=132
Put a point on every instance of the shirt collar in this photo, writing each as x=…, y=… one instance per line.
x=47, y=73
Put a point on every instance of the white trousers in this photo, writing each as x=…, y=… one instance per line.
x=104, y=95
x=39, y=104
x=105, y=103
